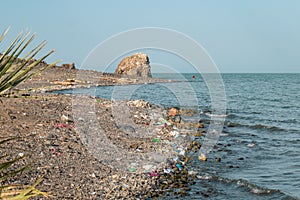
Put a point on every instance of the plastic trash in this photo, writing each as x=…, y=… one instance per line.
x=167, y=171
x=148, y=168
x=192, y=172
x=202, y=157
x=154, y=173
x=161, y=121
x=174, y=134
x=175, y=158
x=182, y=152
x=179, y=166
x=132, y=169
x=63, y=125
x=155, y=140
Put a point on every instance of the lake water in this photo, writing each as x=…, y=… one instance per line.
x=260, y=142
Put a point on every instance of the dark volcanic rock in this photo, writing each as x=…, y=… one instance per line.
x=135, y=65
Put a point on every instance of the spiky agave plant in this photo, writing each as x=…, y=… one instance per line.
x=15, y=191
x=13, y=71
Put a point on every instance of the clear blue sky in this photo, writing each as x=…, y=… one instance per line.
x=240, y=36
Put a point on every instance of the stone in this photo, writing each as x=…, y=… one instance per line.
x=137, y=65
x=68, y=65
x=200, y=125
x=177, y=119
x=230, y=124
x=172, y=112
x=138, y=103
x=64, y=118
x=127, y=128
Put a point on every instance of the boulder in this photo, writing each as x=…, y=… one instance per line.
x=137, y=65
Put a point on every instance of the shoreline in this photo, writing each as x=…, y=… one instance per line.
x=44, y=122
x=60, y=78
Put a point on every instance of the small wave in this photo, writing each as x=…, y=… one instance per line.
x=257, y=126
x=215, y=115
x=244, y=116
x=231, y=115
x=255, y=189
x=272, y=128
x=243, y=184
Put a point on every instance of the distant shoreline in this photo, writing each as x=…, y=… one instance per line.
x=60, y=78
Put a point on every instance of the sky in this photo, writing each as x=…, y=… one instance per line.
x=251, y=36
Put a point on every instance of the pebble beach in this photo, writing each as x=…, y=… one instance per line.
x=51, y=140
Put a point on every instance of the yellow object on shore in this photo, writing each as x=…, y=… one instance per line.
x=202, y=157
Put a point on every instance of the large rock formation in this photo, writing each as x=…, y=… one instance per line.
x=135, y=65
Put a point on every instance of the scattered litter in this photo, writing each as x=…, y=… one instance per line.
x=63, y=125
x=192, y=172
x=20, y=154
x=167, y=171
x=154, y=173
x=148, y=168
x=202, y=157
x=132, y=169
x=54, y=151
x=125, y=185
x=175, y=158
x=162, y=121
x=251, y=145
x=155, y=140
x=174, y=134
x=64, y=118
x=179, y=166
x=181, y=151
x=138, y=103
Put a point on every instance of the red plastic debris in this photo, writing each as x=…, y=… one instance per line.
x=63, y=125
x=154, y=173
x=54, y=151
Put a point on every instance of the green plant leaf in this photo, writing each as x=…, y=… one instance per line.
x=21, y=192
x=14, y=70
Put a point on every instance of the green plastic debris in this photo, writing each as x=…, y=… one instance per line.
x=155, y=140
x=99, y=100
x=132, y=169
